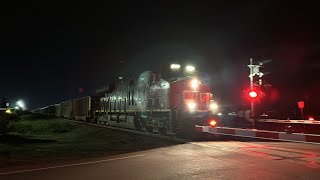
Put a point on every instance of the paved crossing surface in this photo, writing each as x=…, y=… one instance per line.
x=197, y=160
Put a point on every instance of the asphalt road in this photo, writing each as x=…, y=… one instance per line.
x=198, y=160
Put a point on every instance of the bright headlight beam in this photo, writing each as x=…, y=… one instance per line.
x=175, y=66
x=213, y=106
x=190, y=68
x=194, y=83
x=191, y=105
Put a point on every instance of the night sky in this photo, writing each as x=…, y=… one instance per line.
x=50, y=50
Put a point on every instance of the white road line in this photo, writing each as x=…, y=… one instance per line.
x=69, y=165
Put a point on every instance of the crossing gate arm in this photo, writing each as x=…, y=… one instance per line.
x=260, y=134
x=288, y=121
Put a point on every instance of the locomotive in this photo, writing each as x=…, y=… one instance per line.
x=169, y=102
x=158, y=104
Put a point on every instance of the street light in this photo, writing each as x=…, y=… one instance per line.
x=21, y=104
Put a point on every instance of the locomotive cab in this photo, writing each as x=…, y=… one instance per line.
x=195, y=94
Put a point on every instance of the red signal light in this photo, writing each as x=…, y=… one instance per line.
x=253, y=94
x=311, y=118
x=212, y=123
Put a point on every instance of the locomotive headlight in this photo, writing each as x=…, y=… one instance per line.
x=175, y=66
x=195, y=83
x=190, y=68
x=213, y=106
x=191, y=105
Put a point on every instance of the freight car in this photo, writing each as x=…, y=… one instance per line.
x=76, y=109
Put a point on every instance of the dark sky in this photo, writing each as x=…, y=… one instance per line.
x=49, y=50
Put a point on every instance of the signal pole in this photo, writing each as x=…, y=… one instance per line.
x=251, y=88
x=255, y=71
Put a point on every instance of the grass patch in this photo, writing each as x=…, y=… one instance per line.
x=35, y=139
x=32, y=116
x=40, y=126
x=19, y=140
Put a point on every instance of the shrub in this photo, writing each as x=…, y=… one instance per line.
x=61, y=127
x=4, y=121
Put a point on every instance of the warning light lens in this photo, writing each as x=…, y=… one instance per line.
x=253, y=94
x=212, y=123
x=311, y=118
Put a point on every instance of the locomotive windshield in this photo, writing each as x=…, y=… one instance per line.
x=198, y=100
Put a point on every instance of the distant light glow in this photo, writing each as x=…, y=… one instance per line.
x=8, y=111
x=194, y=83
x=219, y=114
x=175, y=66
x=190, y=68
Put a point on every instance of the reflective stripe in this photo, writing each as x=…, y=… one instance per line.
x=296, y=137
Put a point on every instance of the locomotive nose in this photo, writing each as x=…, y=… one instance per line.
x=206, y=119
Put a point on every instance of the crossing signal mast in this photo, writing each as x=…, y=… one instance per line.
x=254, y=93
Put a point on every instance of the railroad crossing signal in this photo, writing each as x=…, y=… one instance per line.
x=301, y=106
x=255, y=71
